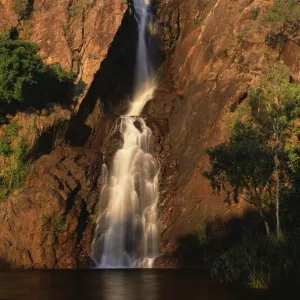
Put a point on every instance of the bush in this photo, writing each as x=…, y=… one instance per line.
x=284, y=12
x=4, y=148
x=24, y=79
x=22, y=8
x=55, y=222
x=257, y=261
x=2, y=118
x=12, y=175
x=12, y=130
x=254, y=13
x=20, y=66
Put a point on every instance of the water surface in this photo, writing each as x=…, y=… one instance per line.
x=118, y=285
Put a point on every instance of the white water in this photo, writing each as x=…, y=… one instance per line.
x=126, y=234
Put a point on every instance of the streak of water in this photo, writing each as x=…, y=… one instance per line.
x=126, y=234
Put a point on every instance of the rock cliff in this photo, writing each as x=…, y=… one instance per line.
x=213, y=52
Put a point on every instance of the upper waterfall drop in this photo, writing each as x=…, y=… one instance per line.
x=126, y=234
x=145, y=84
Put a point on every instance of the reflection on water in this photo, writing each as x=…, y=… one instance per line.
x=117, y=285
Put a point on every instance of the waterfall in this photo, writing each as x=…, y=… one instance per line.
x=126, y=234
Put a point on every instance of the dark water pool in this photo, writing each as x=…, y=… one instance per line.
x=118, y=285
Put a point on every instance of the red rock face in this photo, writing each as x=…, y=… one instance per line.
x=8, y=17
x=47, y=224
x=50, y=222
x=214, y=52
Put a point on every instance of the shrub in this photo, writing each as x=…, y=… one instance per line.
x=254, y=13
x=2, y=118
x=12, y=175
x=57, y=72
x=284, y=18
x=256, y=260
x=12, y=130
x=55, y=222
x=283, y=12
x=24, y=79
x=4, y=148
x=197, y=21
x=19, y=67
x=22, y=8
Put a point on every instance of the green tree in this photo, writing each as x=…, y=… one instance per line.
x=275, y=101
x=255, y=164
x=242, y=167
x=20, y=67
x=25, y=80
x=284, y=18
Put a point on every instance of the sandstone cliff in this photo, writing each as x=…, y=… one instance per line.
x=213, y=52
x=47, y=224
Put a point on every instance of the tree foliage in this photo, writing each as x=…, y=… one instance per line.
x=284, y=18
x=4, y=148
x=23, y=8
x=260, y=159
x=243, y=165
x=284, y=12
x=260, y=163
x=24, y=79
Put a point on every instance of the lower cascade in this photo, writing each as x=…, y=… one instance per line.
x=126, y=235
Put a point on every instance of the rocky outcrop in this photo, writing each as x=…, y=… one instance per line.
x=49, y=223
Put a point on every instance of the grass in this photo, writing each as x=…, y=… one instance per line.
x=12, y=175
x=55, y=222
x=12, y=130
x=197, y=21
x=259, y=280
x=257, y=261
x=254, y=13
x=242, y=34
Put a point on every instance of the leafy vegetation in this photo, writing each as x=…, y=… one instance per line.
x=55, y=222
x=242, y=34
x=243, y=167
x=260, y=163
x=23, y=8
x=12, y=130
x=2, y=119
x=256, y=260
x=254, y=13
x=284, y=13
x=4, y=148
x=24, y=79
x=284, y=18
x=81, y=6
x=15, y=168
